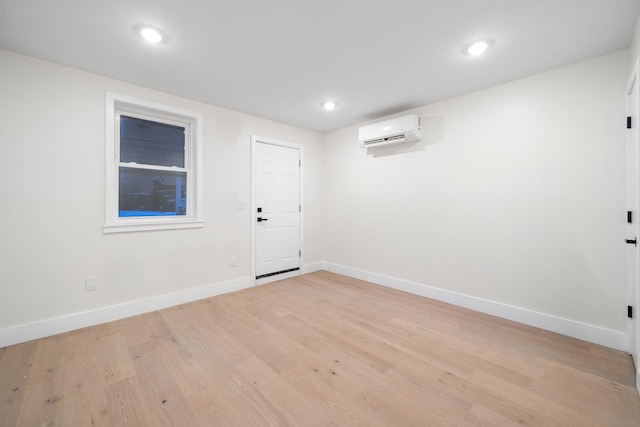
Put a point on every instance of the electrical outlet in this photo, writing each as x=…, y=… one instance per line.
x=241, y=205
x=233, y=261
x=91, y=283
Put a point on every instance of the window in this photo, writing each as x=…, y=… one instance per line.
x=153, y=166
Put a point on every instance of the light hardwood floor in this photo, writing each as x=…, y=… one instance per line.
x=317, y=350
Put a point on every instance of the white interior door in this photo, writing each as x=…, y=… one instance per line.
x=277, y=209
x=633, y=215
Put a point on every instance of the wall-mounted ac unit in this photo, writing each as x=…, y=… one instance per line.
x=394, y=131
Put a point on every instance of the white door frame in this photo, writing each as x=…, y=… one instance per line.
x=634, y=288
x=259, y=140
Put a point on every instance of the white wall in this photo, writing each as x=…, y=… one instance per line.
x=516, y=195
x=634, y=50
x=52, y=146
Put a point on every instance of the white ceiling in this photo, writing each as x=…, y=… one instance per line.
x=280, y=59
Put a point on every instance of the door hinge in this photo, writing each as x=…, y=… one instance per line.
x=299, y=162
x=629, y=122
x=630, y=312
x=629, y=217
x=300, y=254
x=633, y=242
x=299, y=208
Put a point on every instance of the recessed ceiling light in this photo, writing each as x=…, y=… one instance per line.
x=329, y=105
x=478, y=47
x=151, y=34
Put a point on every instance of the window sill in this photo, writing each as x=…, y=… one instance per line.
x=150, y=226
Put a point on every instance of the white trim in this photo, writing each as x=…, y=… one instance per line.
x=256, y=140
x=163, y=225
x=633, y=76
x=594, y=334
x=193, y=163
x=310, y=268
x=57, y=325
x=44, y=328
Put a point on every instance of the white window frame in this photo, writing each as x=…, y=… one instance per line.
x=125, y=105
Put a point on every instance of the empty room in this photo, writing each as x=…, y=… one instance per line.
x=331, y=213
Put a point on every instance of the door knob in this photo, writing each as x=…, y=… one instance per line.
x=262, y=219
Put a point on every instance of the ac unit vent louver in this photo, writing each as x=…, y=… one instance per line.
x=387, y=139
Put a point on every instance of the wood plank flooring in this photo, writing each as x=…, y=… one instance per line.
x=317, y=350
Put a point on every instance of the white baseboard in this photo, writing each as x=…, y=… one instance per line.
x=44, y=328
x=310, y=268
x=594, y=334
x=48, y=327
